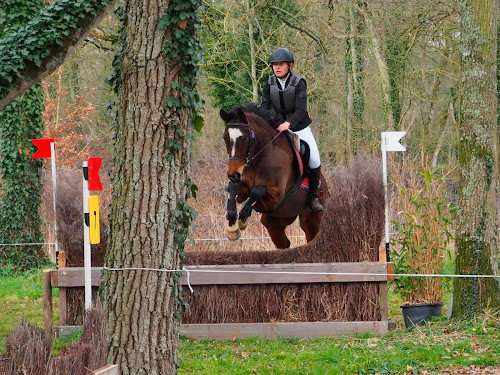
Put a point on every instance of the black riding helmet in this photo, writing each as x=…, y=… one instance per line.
x=281, y=55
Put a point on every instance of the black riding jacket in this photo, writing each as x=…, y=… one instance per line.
x=289, y=104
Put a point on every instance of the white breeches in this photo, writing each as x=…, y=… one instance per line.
x=307, y=136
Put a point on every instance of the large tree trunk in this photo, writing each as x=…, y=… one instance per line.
x=476, y=235
x=152, y=154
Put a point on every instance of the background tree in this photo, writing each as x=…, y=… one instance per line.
x=238, y=38
x=477, y=241
x=355, y=77
x=20, y=185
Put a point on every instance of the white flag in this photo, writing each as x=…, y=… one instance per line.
x=390, y=141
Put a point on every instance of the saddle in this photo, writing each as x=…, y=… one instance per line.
x=302, y=155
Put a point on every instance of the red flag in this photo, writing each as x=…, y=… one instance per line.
x=43, y=148
x=94, y=181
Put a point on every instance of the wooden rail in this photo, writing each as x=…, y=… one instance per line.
x=251, y=274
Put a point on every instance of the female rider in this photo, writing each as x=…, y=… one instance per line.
x=285, y=94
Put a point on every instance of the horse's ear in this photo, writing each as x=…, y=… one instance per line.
x=223, y=115
x=241, y=114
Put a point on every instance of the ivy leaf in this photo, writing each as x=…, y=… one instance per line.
x=198, y=123
x=173, y=101
x=164, y=21
x=194, y=189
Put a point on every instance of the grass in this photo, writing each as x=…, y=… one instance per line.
x=21, y=299
x=435, y=346
x=438, y=345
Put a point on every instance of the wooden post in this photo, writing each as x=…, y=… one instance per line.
x=47, y=303
x=63, y=307
x=384, y=306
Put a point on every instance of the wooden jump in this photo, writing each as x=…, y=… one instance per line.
x=248, y=274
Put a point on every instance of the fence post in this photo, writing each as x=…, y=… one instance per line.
x=47, y=303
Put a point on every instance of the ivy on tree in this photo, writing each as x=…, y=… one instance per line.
x=21, y=187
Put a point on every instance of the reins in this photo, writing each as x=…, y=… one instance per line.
x=249, y=160
x=262, y=149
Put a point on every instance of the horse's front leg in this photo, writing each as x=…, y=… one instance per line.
x=232, y=230
x=255, y=194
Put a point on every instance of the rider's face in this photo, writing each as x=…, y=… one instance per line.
x=281, y=69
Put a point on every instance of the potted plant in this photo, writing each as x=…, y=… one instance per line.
x=420, y=245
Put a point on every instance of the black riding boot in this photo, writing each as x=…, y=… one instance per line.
x=314, y=178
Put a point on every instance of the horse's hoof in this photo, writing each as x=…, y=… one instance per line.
x=233, y=232
x=242, y=224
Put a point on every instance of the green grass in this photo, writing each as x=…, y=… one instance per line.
x=21, y=299
x=438, y=345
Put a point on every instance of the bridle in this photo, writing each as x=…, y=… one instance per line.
x=253, y=143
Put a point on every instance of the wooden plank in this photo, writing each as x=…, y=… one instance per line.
x=305, y=330
x=285, y=273
x=106, y=370
x=250, y=274
x=74, y=277
x=48, y=316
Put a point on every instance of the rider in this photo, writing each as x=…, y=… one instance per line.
x=286, y=94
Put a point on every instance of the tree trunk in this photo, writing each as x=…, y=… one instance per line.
x=382, y=67
x=152, y=153
x=253, y=61
x=354, y=66
x=476, y=235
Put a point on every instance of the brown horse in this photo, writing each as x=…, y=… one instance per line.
x=264, y=172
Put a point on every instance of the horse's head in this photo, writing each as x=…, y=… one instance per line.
x=240, y=139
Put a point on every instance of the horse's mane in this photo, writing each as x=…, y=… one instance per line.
x=261, y=114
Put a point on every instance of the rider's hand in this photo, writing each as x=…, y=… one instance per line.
x=284, y=126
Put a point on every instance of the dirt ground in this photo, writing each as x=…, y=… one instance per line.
x=470, y=370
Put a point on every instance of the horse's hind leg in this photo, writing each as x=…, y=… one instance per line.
x=310, y=223
x=276, y=228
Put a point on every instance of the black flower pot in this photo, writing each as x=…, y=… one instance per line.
x=416, y=315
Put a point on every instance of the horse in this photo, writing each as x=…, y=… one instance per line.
x=264, y=172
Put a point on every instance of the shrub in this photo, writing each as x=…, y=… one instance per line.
x=423, y=234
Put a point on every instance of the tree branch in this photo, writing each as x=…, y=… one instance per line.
x=35, y=51
x=302, y=28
